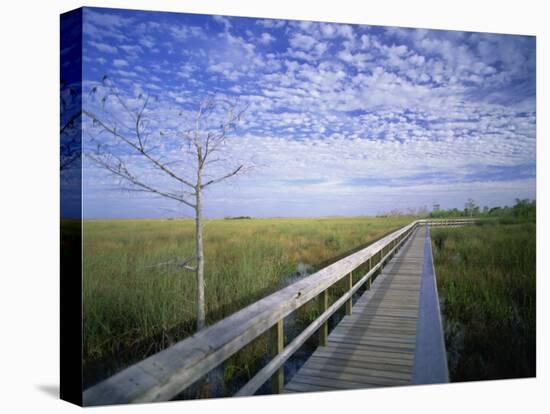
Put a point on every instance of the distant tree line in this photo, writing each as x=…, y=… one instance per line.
x=401, y=212
x=522, y=209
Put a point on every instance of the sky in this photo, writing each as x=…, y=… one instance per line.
x=340, y=119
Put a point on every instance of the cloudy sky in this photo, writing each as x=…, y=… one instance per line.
x=340, y=119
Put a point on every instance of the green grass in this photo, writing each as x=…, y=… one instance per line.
x=487, y=285
x=133, y=308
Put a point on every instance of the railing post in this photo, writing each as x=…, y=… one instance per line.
x=277, y=346
x=370, y=278
x=349, y=303
x=323, y=330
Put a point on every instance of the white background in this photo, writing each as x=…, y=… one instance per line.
x=29, y=206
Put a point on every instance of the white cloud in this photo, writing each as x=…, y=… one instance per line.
x=106, y=20
x=345, y=30
x=225, y=21
x=147, y=41
x=365, y=41
x=103, y=47
x=266, y=38
x=132, y=49
x=343, y=96
x=120, y=63
x=321, y=48
x=328, y=30
x=183, y=33
x=271, y=23
x=227, y=69
x=186, y=70
x=417, y=60
x=303, y=42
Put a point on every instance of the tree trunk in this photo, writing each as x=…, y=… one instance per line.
x=200, y=258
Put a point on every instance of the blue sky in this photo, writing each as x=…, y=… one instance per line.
x=341, y=119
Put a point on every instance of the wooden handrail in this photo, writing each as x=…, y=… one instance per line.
x=165, y=374
x=265, y=373
x=449, y=221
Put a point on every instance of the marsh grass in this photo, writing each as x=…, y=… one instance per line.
x=133, y=307
x=487, y=286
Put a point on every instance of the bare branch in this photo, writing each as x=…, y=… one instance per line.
x=70, y=122
x=139, y=149
x=183, y=263
x=70, y=147
x=138, y=123
x=119, y=169
x=217, y=180
x=114, y=92
x=69, y=152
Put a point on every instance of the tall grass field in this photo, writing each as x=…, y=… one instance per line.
x=135, y=303
x=487, y=288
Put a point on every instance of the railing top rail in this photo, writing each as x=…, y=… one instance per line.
x=449, y=221
x=163, y=375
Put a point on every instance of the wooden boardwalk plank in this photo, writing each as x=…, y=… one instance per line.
x=324, y=364
x=375, y=346
x=374, y=363
x=333, y=384
x=366, y=352
x=363, y=378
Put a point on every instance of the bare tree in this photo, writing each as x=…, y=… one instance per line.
x=470, y=207
x=69, y=130
x=199, y=146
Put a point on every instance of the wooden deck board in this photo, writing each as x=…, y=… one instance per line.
x=344, y=375
x=375, y=346
x=368, y=363
x=327, y=365
x=358, y=353
x=328, y=384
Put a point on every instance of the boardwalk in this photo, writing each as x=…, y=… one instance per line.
x=392, y=337
x=375, y=345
